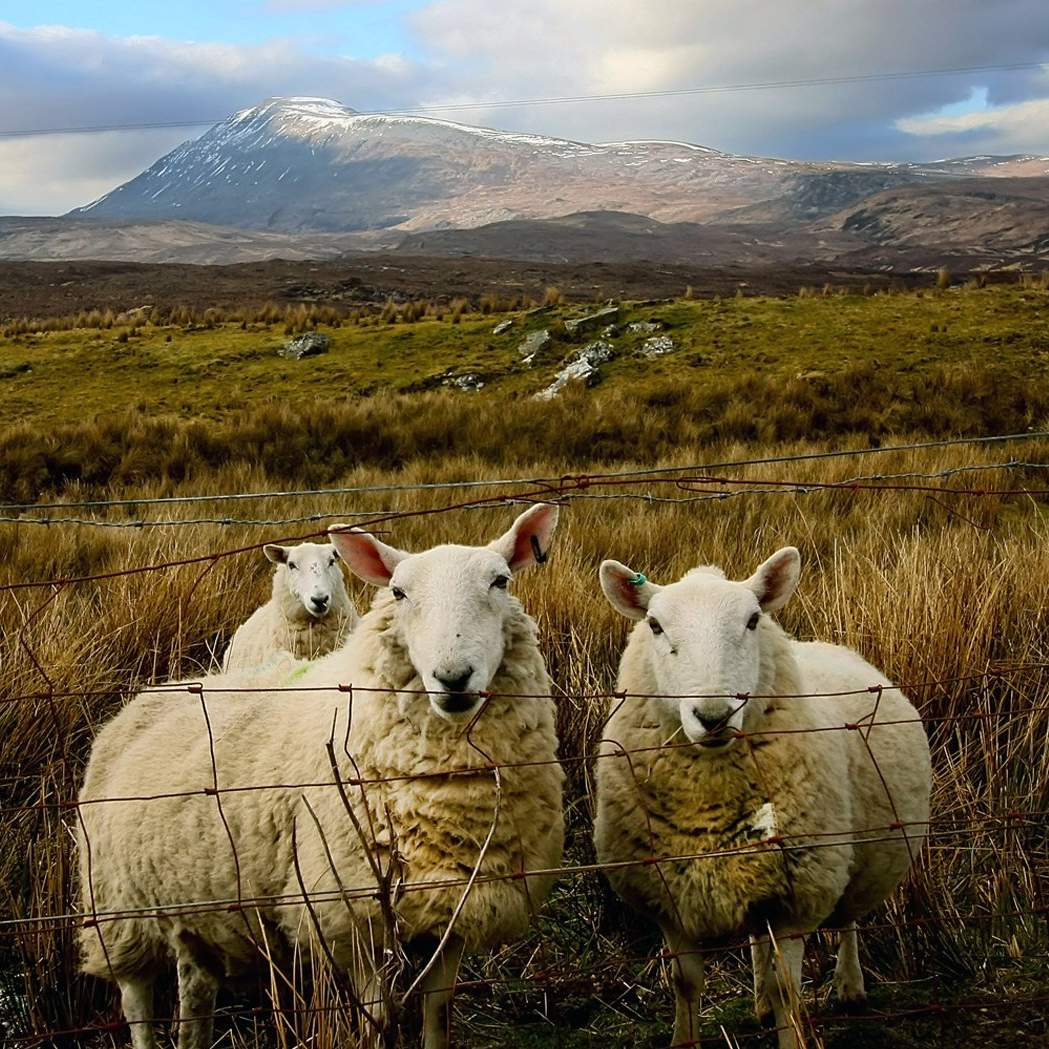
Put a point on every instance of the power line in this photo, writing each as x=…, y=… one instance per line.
x=764, y=85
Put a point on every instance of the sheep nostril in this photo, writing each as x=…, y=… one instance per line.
x=711, y=724
x=457, y=683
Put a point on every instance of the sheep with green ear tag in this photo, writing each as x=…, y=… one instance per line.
x=749, y=784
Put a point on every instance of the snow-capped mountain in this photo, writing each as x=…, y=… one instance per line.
x=308, y=164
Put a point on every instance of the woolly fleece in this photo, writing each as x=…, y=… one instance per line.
x=399, y=763
x=714, y=810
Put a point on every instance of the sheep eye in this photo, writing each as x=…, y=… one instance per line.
x=398, y=593
x=292, y=567
x=500, y=582
x=752, y=623
x=653, y=625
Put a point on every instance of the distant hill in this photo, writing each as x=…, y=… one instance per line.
x=309, y=178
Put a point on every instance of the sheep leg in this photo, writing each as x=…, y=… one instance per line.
x=197, y=990
x=372, y=995
x=687, y=970
x=783, y=985
x=848, y=976
x=136, y=1000
x=759, y=963
x=437, y=990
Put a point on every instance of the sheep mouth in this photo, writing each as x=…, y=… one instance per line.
x=455, y=702
x=714, y=741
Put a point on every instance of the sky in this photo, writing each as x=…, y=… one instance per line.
x=864, y=80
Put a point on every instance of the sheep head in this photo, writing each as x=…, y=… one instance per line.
x=312, y=574
x=704, y=645
x=452, y=603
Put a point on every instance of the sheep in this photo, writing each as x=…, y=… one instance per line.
x=308, y=614
x=412, y=800
x=780, y=785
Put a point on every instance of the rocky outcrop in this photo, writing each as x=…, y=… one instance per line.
x=581, y=366
x=308, y=345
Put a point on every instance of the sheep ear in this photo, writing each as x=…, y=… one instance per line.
x=528, y=539
x=628, y=592
x=364, y=555
x=776, y=578
x=277, y=554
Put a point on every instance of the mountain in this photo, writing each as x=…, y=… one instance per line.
x=298, y=164
x=309, y=178
x=305, y=164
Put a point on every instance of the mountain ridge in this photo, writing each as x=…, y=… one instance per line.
x=300, y=175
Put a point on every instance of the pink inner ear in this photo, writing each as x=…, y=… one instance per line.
x=627, y=592
x=363, y=556
x=523, y=553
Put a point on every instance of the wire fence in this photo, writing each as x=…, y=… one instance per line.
x=344, y=889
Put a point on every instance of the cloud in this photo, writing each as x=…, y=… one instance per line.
x=548, y=48
x=54, y=174
x=1020, y=128
x=682, y=70
x=53, y=77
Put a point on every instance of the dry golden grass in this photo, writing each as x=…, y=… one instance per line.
x=931, y=571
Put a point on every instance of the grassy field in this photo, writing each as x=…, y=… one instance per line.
x=931, y=560
x=208, y=370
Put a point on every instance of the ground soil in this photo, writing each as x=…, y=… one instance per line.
x=58, y=289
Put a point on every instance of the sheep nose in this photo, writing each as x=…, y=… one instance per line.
x=711, y=724
x=319, y=603
x=453, y=682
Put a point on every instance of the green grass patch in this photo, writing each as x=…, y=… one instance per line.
x=208, y=371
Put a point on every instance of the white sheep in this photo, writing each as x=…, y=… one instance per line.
x=438, y=714
x=779, y=785
x=308, y=614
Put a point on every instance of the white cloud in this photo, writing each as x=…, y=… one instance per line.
x=53, y=77
x=701, y=63
x=52, y=174
x=1021, y=128
x=548, y=48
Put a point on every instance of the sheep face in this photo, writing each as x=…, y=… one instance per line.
x=704, y=643
x=312, y=573
x=452, y=602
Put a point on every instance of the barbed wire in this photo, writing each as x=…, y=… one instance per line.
x=870, y=482
x=559, y=491
x=636, y=473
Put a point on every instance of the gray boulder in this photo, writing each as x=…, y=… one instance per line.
x=535, y=343
x=657, y=346
x=308, y=345
x=581, y=366
x=591, y=321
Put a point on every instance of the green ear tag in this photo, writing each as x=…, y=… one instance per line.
x=638, y=580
